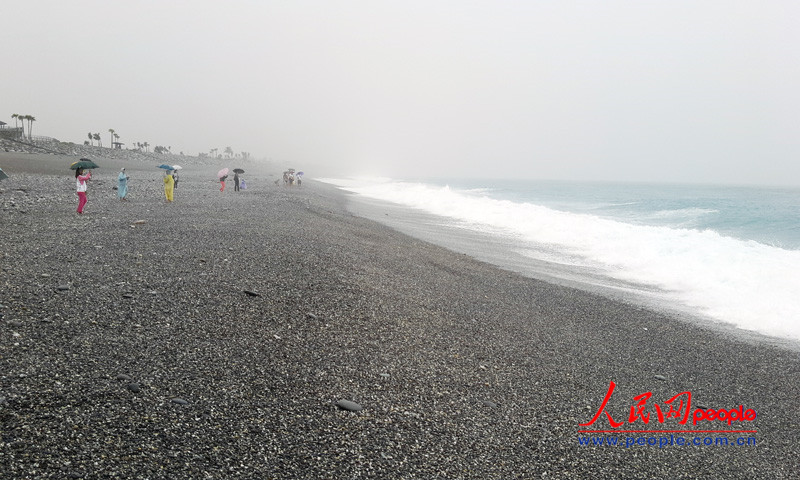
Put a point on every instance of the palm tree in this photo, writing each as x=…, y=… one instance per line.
x=30, y=119
x=24, y=119
x=229, y=152
x=116, y=137
x=15, y=116
x=91, y=139
x=111, y=131
x=96, y=136
x=146, y=144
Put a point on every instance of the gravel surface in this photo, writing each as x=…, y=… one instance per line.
x=271, y=334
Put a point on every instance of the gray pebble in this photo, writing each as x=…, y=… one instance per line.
x=349, y=406
x=134, y=387
x=179, y=401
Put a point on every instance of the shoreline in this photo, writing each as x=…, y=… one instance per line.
x=464, y=370
x=499, y=252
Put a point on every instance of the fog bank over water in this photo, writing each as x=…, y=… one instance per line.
x=679, y=91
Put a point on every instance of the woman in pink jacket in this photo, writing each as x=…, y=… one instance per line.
x=80, y=183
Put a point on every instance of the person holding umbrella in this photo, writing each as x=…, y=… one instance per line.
x=122, y=184
x=169, y=185
x=222, y=175
x=80, y=183
x=81, y=179
x=236, y=172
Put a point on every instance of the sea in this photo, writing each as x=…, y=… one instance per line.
x=726, y=255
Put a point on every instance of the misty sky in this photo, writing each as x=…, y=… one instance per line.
x=688, y=91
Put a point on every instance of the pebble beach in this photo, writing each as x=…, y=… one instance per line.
x=272, y=334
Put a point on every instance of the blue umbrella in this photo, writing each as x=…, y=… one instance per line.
x=166, y=167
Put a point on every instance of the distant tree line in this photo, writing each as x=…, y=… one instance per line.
x=24, y=118
x=228, y=153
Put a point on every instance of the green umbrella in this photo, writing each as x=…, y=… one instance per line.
x=3, y=175
x=83, y=163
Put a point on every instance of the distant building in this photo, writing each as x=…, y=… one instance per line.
x=117, y=145
x=10, y=132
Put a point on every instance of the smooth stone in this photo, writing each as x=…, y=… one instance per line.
x=15, y=323
x=179, y=401
x=349, y=406
x=312, y=316
x=384, y=375
x=134, y=387
x=661, y=377
x=127, y=295
x=139, y=222
x=62, y=288
x=124, y=377
x=489, y=404
x=252, y=293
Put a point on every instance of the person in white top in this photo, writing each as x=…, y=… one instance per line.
x=80, y=183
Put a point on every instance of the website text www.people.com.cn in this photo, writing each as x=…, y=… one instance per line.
x=665, y=441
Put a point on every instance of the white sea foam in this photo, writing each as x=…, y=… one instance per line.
x=746, y=283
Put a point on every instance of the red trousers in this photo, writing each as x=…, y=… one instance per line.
x=81, y=201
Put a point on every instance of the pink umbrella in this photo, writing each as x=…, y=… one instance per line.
x=222, y=173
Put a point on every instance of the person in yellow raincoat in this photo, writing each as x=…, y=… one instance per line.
x=169, y=185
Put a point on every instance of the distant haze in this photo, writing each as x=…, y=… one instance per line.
x=679, y=91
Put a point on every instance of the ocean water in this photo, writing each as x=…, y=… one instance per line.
x=725, y=253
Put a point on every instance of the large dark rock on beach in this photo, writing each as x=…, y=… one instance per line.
x=465, y=370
